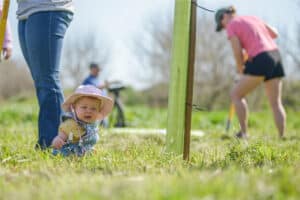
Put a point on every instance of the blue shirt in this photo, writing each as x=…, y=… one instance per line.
x=91, y=80
x=95, y=81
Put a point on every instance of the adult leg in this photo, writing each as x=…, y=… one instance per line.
x=23, y=45
x=44, y=33
x=244, y=86
x=273, y=89
x=22, y=41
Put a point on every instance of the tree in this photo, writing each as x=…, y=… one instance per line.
x=214, y=62
x=79, y=52
x=152, y=48
x=15, y=79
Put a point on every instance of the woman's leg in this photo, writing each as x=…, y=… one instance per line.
x=273, y=89
x=44, y=33
x=22, y=41
x=244, y=86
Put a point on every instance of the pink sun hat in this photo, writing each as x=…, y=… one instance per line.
x=89, y=91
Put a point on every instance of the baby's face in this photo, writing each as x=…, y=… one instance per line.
x=87, y=109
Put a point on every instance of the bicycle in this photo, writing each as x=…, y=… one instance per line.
x=117, y=118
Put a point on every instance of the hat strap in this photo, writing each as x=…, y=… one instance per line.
x=77, y=121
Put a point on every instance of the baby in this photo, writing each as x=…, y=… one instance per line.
x=78, y=133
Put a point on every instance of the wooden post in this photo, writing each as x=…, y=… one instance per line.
x=190, y=83
x=181, y=84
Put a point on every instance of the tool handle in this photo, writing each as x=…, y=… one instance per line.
x=3, y=22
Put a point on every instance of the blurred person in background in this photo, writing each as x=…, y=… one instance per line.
x=94, y=79
x=258, y=61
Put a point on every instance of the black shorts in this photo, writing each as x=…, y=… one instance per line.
x=267, y=64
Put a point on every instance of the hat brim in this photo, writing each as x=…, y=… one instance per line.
x=106, y=107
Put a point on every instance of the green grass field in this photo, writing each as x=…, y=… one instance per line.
x=137, y=167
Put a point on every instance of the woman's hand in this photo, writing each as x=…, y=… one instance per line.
x=240, y=70
x=7, y=52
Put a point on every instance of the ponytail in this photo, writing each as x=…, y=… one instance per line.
x=231, y=10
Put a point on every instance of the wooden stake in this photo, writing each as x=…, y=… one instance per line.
x=190, y=82
x=180, y=91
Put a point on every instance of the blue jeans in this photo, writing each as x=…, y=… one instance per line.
x=41, y=39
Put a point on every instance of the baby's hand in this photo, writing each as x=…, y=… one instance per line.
x=58, y=142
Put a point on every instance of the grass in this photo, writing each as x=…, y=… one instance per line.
x=137, y=166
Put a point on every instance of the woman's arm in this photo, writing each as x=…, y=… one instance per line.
x=103, y=85
x=238, y=53
x=7, y=42
x=272, y=31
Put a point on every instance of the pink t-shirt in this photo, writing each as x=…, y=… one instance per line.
x=252, y=33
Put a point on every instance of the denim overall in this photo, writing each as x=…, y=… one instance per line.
x=86, y=143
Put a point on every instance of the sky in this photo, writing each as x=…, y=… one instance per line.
x=117, y=22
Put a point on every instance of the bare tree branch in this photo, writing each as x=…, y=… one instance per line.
x=15, y=79
x=214, y=63
x=79, y=52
